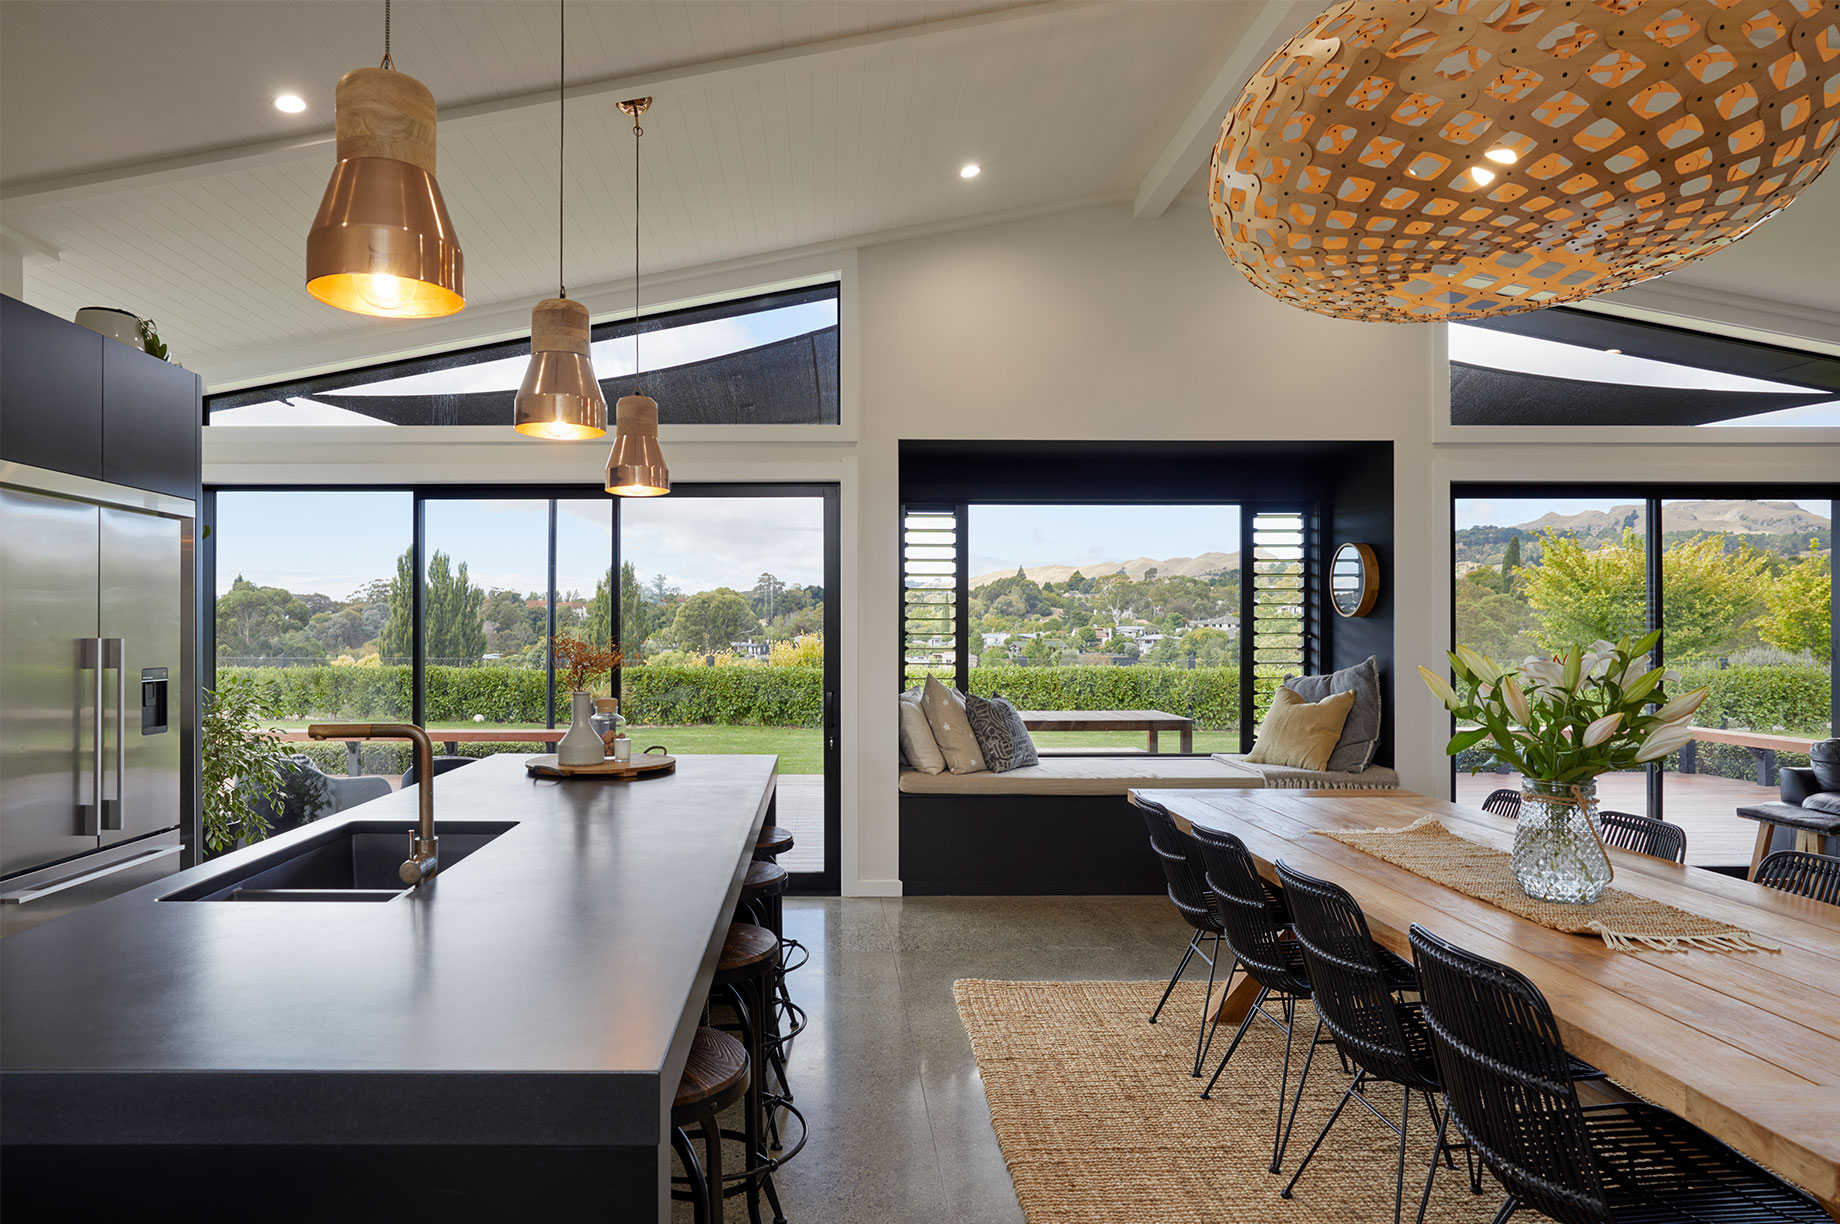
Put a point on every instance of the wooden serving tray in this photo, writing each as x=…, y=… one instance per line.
x=640, y=766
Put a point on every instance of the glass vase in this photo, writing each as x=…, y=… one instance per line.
x=1558, y=852
x=582, y=745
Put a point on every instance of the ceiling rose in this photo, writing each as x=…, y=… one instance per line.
x=1405, y=161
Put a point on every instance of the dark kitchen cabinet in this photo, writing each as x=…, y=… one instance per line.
x=150, y=422
x=50, y=391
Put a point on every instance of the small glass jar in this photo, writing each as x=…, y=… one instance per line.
x=1558, y=850
x=606, y=720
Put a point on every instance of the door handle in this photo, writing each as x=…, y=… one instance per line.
x=89, y=811
x=112, y=656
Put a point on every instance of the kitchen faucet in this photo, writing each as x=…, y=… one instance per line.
x=423, y=860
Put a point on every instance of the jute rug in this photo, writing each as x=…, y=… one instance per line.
x=1101, y=1123
x=1626, y=922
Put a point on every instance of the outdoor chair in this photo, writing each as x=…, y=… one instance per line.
x=1503, y=802
x=1816, y=876
x=1509, y=1087
x=442, y=764
x=1188, y=894
x=308, y=794
x=1644, y=835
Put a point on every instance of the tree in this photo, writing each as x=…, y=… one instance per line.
x=453, y=612
x=1800, y=606
x=710, y=620
x=637, y=620
x=251, y=619
x=508, y=622
x=396, y=640
x=1510, y=561
x=765, y=597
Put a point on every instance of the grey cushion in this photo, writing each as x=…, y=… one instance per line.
x=1826, y=801
x=1354, y=751
x=1001, y=737
x=1824, y=759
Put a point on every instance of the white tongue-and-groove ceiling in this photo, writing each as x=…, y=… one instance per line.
x=143, y=164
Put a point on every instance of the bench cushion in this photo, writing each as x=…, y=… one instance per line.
x=1374, y=777
x=1088, y=776
x=1790, y=816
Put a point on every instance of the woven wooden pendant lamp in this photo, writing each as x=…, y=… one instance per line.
x=1403, y=161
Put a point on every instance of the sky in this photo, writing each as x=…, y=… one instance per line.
x=1004, y=537
x=658, y=350
x=1513, y=511
x=335, y=542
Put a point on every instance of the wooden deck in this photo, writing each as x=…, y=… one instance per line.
x=1704, y=805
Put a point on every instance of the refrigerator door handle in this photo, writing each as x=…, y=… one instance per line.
x=89, y=809
x=113, y=653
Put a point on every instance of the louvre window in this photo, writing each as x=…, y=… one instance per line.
x=931, y=576
x=1280, y=558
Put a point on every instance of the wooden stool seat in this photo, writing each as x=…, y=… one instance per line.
x=764, y=880
x=715, y=1077
x=748, y=951
x=773, y=840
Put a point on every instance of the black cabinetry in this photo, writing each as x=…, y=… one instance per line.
x=74, y=401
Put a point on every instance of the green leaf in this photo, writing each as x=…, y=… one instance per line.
x=1465, y=739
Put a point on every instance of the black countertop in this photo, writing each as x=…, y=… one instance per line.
x=541, y=991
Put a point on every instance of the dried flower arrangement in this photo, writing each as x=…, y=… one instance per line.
x=583, y=659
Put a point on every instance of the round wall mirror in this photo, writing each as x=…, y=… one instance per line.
x=1354, y=580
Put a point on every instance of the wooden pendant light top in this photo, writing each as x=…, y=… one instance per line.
x=559, y=325
x=380, y=112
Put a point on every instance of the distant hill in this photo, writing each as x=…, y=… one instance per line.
x=1207, y=564
x=1785, y=527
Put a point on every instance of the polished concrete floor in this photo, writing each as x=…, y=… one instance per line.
x=899, y=1127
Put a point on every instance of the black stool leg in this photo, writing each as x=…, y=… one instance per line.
x=693, y=1169
x=712, y=1143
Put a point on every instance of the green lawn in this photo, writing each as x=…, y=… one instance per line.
x=801, y=750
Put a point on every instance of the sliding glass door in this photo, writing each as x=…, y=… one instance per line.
x=1739, y=582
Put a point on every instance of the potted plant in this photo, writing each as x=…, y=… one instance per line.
x=242, y=766
x=582, y=659
x=1560, y=722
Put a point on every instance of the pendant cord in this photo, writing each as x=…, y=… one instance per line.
x=387, y=61
x=562, y=135
x=637, y=132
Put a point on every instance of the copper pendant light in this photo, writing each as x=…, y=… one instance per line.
x=636, y=466
x=382, y=243
x=1411, y=161
x=560, y=397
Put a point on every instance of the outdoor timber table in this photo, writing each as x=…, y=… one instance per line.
x=1148, y=721
x=452, y=739
x=504, y=1042
x=1745, y=1045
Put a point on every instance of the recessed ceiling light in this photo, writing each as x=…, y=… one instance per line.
x=291, y=104
x=971, y=171
x=1484, y=177
x=1506, y=157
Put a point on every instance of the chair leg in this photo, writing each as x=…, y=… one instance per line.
x=1508, y=1208
x=1194, y=941
x=1399, y=1174
x=1243, y=1026
x=1284, y=1079
x=712, y=1144
x=1206, y=1001
x=1424, y=1200
x=1297, y=1100
x=693, y=1170
x=1347, y=1095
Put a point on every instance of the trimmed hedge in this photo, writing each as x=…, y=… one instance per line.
x=1209, y=695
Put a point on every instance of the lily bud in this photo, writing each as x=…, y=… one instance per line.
x=1602, y=729
x=1663, y=740
x=1516, y=700
x=1440, y=688
x=1683, y=706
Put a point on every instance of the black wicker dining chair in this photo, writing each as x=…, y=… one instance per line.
x=1182, y=873
x=1384, y=1038
x=1816, y=876
x=1644, y=835
x=1509, y=1088
x=1503, y=802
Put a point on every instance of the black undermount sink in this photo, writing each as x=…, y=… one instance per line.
x=354, y=862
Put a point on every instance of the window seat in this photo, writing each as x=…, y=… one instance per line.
x=1374, y=777
x=1088, y=775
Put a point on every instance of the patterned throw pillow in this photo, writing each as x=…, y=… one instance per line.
x=1001, y=737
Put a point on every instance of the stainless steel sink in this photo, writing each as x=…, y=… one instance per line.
x=358, y=861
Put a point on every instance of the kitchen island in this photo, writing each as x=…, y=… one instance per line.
x=503, y=1042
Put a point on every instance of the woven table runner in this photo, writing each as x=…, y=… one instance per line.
x=1626, y=922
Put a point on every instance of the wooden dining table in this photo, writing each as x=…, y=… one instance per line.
x=1744, y=1045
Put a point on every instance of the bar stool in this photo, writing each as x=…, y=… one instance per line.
x=744, y=976
x=761, y=891
x=773, y=842
x=715, y=1077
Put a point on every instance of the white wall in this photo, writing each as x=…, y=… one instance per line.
x=1082, y=325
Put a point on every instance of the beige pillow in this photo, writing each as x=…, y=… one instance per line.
x=945, y=714
x=1299, y=733
x=917, y=743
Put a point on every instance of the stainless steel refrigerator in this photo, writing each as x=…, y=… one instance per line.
x=96, y=689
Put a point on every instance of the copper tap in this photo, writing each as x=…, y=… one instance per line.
x=423, y=861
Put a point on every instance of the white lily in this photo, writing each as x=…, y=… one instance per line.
x=1440, y=688
x=1484, y=667
x=1602, y=729
x=1683, y=706
x=1545, y=673
x=1663, y=740
x=1516, y=701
